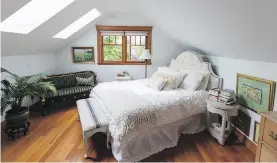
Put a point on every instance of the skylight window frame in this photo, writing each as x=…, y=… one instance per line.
x=32, y=15
x=78, y=24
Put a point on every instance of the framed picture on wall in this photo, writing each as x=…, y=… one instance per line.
x=82, y=54
x=256, y=132
x=255, y=93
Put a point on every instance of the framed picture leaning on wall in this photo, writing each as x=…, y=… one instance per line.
x=82, y=54
x=256, y=132
x=255, y=93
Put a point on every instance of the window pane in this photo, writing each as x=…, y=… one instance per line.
x=137, y=40
x=119, y=40
x=142, y=40
x=133, y=40
x=128, y=40
x=112, y=39
x=136, y=52
x=112, y=53
x=106, y=40
x=128, y=50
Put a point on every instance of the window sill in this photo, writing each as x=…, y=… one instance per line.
x=120, y=63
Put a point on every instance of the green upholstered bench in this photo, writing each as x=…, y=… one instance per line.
x=67, y=89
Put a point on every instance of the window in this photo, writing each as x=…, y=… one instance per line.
x=78, y=24
x=32, y=15
x=119, y=45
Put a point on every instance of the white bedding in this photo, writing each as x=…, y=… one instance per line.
x=170, y=107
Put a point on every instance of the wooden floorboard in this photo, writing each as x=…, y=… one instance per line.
x=58, y=137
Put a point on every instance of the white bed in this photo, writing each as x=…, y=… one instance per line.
x=176, y=111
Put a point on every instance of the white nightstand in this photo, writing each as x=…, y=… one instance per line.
x=217, y=130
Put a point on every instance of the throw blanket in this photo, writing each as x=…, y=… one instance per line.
x=133, y=110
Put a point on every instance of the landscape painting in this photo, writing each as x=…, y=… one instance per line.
x=82, y=54
x=255, y=93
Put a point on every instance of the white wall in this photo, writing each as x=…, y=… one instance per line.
x=28, y=65
x=163, y=49
x=228, y=69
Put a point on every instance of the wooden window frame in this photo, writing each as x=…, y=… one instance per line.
x=100, y=56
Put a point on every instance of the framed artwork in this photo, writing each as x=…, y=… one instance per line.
x=256, y=132
x=242, y=122
x=255, y=93
x=82, y=54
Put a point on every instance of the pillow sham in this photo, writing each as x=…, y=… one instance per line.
x=205, y=81
x=192, y=81
x=157, y=83
x=173, y=65
x=85, y=81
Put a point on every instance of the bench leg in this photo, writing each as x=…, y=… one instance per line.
x=85, y=146
x=78, y=118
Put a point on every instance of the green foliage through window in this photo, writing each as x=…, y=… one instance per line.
x=112, y=53
x=112, y=48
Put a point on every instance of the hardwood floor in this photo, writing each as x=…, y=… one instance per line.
x=58, y=137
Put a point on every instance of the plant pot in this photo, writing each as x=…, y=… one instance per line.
x=14, y=117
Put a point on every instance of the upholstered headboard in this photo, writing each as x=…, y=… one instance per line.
x=191, y=60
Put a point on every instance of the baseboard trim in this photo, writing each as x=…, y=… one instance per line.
x=248, y=143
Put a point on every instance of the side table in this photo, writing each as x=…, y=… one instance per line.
x=220, y=131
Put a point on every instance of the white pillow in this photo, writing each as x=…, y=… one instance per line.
x=157, y=83
x=173, y=79
x=174, y=65
x=205, y=81
x=192, y=81
x=164, y=69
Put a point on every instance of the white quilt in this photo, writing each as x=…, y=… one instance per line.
x=134, y=108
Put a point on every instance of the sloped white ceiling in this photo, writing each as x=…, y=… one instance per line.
x=244, y=29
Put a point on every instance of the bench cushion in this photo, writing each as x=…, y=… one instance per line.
x=91, y=115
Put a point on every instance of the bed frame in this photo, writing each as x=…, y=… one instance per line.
x=192, y=60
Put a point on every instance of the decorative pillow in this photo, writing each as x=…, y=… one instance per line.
x=173, y=79
x=192, y=81
x=157, y=83
x=85, y=81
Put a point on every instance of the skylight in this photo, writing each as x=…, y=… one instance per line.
x=32, y=15
x=78, y=24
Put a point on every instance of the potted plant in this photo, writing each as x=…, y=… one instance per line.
x=13, y=91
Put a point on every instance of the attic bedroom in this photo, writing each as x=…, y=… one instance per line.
x=146, y=80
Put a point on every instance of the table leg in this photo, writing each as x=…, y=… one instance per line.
x=223, y=126
x=229, y=123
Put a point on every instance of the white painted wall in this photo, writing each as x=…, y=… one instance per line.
x=163, y=50
x=28, y=65
x=228, y=69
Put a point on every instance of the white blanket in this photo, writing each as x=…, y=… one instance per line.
x=129, y=102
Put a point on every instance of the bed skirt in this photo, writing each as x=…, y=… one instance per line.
x=148, y=143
